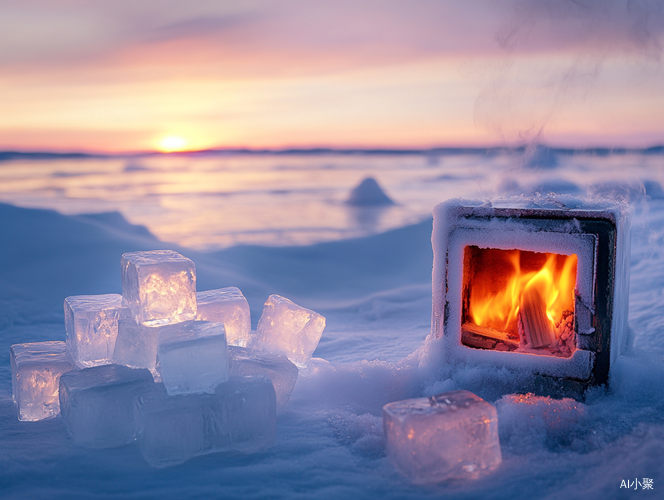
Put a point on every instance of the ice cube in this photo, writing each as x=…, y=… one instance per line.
x=91, y=322
x=36, y=371
x=227, y=306
x=239, y=416
x=451, y=435
x=276, y=367
x=136, y=346
x=192, y=356
x=159, y=287
x=97, y=404
x=286, y=328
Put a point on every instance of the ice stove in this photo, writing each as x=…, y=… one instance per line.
x=539, y=285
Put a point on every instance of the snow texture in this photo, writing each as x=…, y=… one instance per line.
x=375, y=293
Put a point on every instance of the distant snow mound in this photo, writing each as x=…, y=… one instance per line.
x=368, y=193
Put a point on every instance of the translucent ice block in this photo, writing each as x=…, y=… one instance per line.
x=286, y=328
x=136, y=346
x=36, y=371
x=97, y=404
x=451, y=435
x=239, y=416
x=276, y=367
x=192, y=356
x=91, y=322
x=159, y=287
x=227, y=306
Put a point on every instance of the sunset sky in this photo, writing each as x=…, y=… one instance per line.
x=165, y=74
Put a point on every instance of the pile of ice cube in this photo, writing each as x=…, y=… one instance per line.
x=177, y=370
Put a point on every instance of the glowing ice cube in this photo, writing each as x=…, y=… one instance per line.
x=97, y=404
x=227, y=306
x=159, y=287
x=286, y=328
x=192, y=356
x=239, y=416
x=91, y=322
x=136, y=346
x=276, y=367
x=36, y=371
x=451, y=435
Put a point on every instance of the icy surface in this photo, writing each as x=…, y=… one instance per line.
x=36, y=370
x=230, y=307
x=192, y=356
x=159, y=286
x=375, y=293
x=276, y=367
x=289, y=329
x=97, y=404
x=91, y=323
x=239, y=416
x=449, y=435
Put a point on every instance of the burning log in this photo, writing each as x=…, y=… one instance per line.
x=537, y=328
x=482, y=337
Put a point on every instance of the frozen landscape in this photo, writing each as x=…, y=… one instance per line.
x=280, y=224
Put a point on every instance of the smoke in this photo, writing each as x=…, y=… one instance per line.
x=555, y=52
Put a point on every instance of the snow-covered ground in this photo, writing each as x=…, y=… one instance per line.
x=375, y=291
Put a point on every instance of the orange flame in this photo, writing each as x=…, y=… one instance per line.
x=498, y=309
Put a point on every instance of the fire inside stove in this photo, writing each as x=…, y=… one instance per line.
x=516, y=300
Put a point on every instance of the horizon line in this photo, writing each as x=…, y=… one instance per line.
x=45, y=154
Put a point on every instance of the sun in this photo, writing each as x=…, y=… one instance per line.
x=172, y=143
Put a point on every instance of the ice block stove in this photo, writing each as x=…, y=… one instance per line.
x=537, y=285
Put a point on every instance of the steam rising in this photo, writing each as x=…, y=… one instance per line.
x=527, y=93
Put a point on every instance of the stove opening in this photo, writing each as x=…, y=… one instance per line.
x=515, y=300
